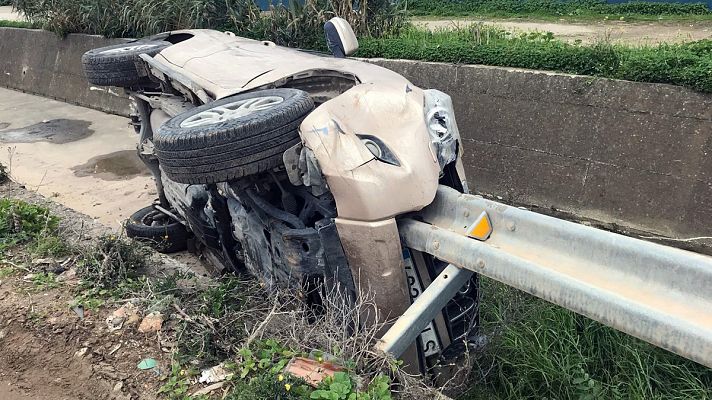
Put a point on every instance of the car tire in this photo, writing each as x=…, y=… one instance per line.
x=116, y=65
x=157, y=230
x=233, y=137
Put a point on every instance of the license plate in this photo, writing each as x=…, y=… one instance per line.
x=428, y=337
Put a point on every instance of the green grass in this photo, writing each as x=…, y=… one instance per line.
x=550, y=9
x=539, y=350
x=22, y=223
x=15, y=24
x=687, y=64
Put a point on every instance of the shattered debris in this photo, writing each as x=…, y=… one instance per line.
x=147, y=363
x=129, y=312
x=151, y=323
x=311, y=371
x=115, y=322
x=81, y=352
x=215, y=374
x=208, y=390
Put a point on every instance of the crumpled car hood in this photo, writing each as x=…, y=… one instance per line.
x=224, y=64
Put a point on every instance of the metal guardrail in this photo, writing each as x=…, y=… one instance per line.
x=657, y=293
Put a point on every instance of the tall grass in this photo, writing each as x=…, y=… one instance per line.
x=539, y=350
x=292, y=24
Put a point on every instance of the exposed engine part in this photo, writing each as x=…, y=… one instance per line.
x=303, y=169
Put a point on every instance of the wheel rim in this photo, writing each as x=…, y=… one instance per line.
x=156, y=218
x=131, y=47
x=231, y=111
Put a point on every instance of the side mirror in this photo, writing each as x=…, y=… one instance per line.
x=340, y=37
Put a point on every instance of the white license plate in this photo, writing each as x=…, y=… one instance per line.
x=428, y=337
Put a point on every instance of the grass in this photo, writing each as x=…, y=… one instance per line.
x=539, y=350
x=686, y=64
x=15, y=24
x=555, y=9
x=24, y=223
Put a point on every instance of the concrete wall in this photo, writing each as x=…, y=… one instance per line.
x=632, y=156
x=627, y=156
x=43, y=63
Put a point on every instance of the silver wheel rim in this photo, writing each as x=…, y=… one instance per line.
x=231, y=111
x=130, y=47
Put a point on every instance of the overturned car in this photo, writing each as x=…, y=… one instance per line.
x=294, y=167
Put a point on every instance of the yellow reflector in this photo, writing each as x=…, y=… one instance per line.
x=481, y=229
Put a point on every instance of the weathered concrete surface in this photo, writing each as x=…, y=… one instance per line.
x=92, y=174
x=632, y=154
x=43, y=63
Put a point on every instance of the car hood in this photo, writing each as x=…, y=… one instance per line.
x=223, y=64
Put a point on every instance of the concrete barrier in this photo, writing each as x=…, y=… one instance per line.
x=42, y=63
x=626, y=156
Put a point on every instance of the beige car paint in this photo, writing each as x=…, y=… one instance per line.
x=224, y=64
x=376, y=261
x=365, y=188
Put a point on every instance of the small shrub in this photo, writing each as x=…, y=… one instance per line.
x=111, y=261
x=22, y=223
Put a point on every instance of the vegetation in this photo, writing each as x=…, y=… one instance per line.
x=224, y=320
x=24, y=223
x=295, y=24
x=16, y=24
x=4, y=174
x=687, y=64
x=557, y=8
x=539, y=350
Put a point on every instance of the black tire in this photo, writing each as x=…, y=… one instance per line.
x=157, y=230
x=231, y=148
x=116, y=65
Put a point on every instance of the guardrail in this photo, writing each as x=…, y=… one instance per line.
x=656, y=293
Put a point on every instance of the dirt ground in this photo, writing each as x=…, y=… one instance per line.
x=634, y=33
x=49, y=352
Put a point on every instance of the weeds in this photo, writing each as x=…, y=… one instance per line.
x=6, y=271
x=4, y=174
x=539, y=350
x=554, y=8
x=295, y=24
x=686, y=64
x=111, y=261
x=24, y=223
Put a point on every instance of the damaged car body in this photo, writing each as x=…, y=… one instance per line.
x=294, y=167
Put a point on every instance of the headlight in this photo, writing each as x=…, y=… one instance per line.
x=379, y=149
x=440, y=120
